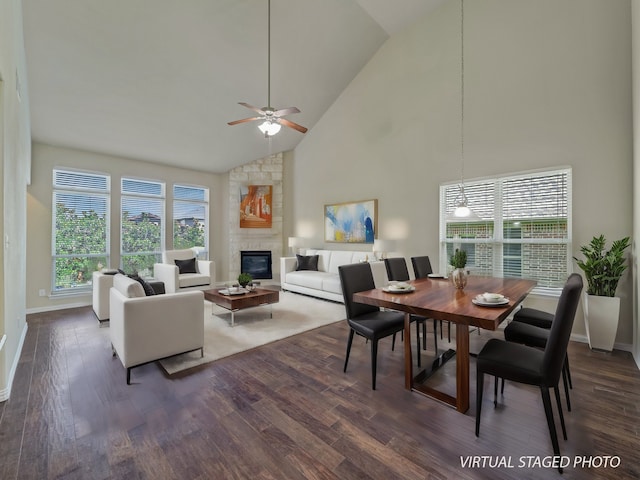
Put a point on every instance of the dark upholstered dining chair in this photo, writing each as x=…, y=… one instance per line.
x=397, y=271
x=533, y=336
x=532, y=366
x=421, y=266
x=366, y=320
x=422, y=269
x=540, y=319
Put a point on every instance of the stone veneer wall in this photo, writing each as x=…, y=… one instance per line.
x=265, y=171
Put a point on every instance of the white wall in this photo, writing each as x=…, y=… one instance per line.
x=636, y=172
x=547, y=83
x=40, y=196
x=15, y=153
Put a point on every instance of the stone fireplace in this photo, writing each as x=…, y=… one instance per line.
x=265, y=171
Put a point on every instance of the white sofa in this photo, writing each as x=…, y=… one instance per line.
x=168, y=272
x=148, y=328
x=325, y=283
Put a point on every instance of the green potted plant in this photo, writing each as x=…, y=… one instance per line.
x=603, y=270
x=458, y=261
x=244, y=279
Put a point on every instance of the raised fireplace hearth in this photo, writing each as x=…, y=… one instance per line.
x=257, y=263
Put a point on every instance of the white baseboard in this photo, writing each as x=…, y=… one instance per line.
x=52, y=308
x=6, y=392
x=625, y=347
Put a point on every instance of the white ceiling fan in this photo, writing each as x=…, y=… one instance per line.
x=272, y=119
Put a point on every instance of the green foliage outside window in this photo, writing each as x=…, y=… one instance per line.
x=82, y=236
x=141, y=242
x=187, y=236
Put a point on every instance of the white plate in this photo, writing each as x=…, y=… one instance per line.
x=436, y=275
x=225, y=291
x=482, y=303
x=392, y=289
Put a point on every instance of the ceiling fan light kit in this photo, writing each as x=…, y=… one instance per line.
x=272, y=119
x=270, y=128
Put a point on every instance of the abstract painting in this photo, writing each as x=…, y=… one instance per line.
x=352, y=222
x=256, y=203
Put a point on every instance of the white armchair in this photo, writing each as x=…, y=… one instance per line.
x=101, y=285
x=168, y=272
x=144, y=329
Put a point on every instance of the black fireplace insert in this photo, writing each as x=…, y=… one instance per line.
x=257, y=263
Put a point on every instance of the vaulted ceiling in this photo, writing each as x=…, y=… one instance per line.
x=158, y=80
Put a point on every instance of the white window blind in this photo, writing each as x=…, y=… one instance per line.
x=142, y=225
x=523, y=229
x=190, y=218
x=80, y=237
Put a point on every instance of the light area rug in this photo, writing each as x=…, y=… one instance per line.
x=254, y=327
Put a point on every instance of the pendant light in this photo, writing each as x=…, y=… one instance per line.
x=461, y=202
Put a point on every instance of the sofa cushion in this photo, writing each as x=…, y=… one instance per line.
x=128, y=287
x=168, y=256
x=307, y=278
x=193, y=280
x=186, y=266
x=323, y=258
x=339, y=258
x=307, y=262
x=359, y=257
x=332, y=284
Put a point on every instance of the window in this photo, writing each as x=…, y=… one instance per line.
x=142, y=225
x=523, y=229
x=80, y=228
x=190, y=214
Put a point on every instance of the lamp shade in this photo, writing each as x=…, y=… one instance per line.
x=383, y=246
x=294, y=242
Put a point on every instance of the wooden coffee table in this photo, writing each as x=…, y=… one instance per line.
x=233, y=303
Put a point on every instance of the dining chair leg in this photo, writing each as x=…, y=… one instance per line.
x=393, y=342
x=502, y=388
x=349, y=342
x=479, y=389
x=566, y=388
x=495, y=391
x=441, y=330
x=566, y=365
x=374, y=362
x=559, y=403
x=449, y=331
x=546, y=400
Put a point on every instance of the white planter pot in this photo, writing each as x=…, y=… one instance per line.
x=601, y=316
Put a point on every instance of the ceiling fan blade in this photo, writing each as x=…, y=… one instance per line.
x=293, y=125
x=251, y=107
x=244, y=120
x=285, y=111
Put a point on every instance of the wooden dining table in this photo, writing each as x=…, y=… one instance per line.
x=441, y=300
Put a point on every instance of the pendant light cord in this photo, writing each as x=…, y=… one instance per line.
x=461, y=92
x=269, y=54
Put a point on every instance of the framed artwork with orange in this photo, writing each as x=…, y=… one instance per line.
x=256, y=206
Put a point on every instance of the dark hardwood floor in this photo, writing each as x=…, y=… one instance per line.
x=287, y=411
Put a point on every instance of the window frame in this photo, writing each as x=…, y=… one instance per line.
x=498, y=240
x=104, y=194
x=161, y=198
x=202, y=254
